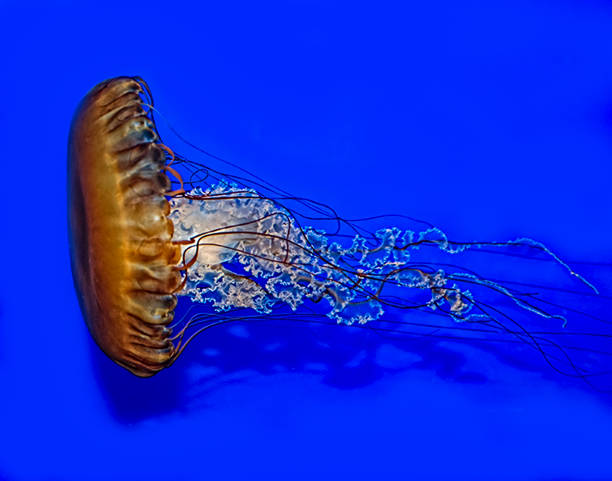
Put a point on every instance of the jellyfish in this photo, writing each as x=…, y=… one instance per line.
x=148, y=226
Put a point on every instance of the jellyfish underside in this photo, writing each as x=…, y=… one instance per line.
x=251, y=251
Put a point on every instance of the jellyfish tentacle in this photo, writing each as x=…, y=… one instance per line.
x=237, y=225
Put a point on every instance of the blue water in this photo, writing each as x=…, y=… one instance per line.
x=492, y=120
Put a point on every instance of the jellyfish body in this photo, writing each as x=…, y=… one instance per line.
x=234, y=243
x=120, y=236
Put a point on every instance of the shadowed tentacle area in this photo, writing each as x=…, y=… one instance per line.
x=249, y=257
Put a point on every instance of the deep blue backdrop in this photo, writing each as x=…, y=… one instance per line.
x=489, y=119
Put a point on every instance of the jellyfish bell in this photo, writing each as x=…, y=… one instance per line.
x=123, y=257
x=148, y=225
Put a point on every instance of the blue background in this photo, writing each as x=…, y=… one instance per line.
x=489, y=119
